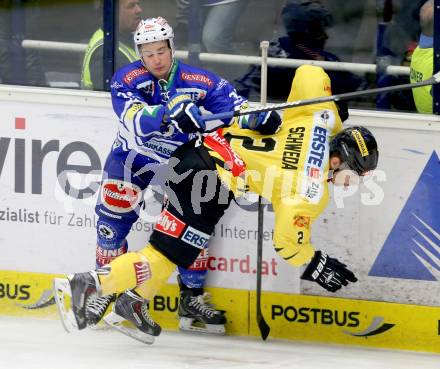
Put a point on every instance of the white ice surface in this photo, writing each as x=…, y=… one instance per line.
x=43, y=344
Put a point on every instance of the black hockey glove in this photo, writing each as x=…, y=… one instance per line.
x=342, y=110
x=328, y=272
x=267, y=123
x=184, y=114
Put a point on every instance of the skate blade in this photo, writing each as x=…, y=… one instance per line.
x=61, y=289
x=117, y=322
x=193, y=325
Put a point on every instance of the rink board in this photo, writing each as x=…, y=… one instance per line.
x=388, y=231
x=291, y=317
x=53, y=145
x=354, y=322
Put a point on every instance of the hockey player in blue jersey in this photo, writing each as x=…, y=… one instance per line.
x=157, y=100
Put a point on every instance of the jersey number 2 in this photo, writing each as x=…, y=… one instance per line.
x=249, y=144
x=300, y=237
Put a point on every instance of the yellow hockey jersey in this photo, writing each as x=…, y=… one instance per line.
x=290, y=168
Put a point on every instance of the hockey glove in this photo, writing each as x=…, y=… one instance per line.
x=328, y=272
x=184, y=114
x=267, y=123
x=342, y=110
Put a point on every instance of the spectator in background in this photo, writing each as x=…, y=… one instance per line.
x=220, y=18
x=17, y=65
x=401, y=22
x=92, y=71
x=403, y=29
x=423, y=59
x=305, y=22
x=398, y=100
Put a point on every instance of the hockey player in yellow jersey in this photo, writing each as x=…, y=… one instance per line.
x=290, y=167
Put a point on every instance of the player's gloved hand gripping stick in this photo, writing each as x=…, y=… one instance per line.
x=184, y=114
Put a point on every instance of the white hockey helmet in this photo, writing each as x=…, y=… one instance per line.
x=152, y=30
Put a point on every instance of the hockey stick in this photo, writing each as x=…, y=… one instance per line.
x=262, y=325
x=345, y=96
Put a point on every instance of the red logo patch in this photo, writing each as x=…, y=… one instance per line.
x=201, y=263
x=301, y=221
x=196, y=78
x=130, y=76
x=143, y=272
x=314, y=172
x=169, y=224
x=120, y=196
x=104, y=256
x=215, y=141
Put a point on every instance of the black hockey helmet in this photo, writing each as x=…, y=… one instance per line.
x=357, y=147
x=306, y=16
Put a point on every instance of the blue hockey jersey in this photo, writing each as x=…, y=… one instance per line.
x=139, y=101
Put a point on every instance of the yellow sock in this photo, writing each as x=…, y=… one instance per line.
x=147, y=269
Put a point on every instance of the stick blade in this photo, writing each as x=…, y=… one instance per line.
x=263, y=326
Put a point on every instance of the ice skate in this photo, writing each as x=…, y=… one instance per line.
x=96, y=309
x=129, y=306
x=196, y=315
x=80, y=288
